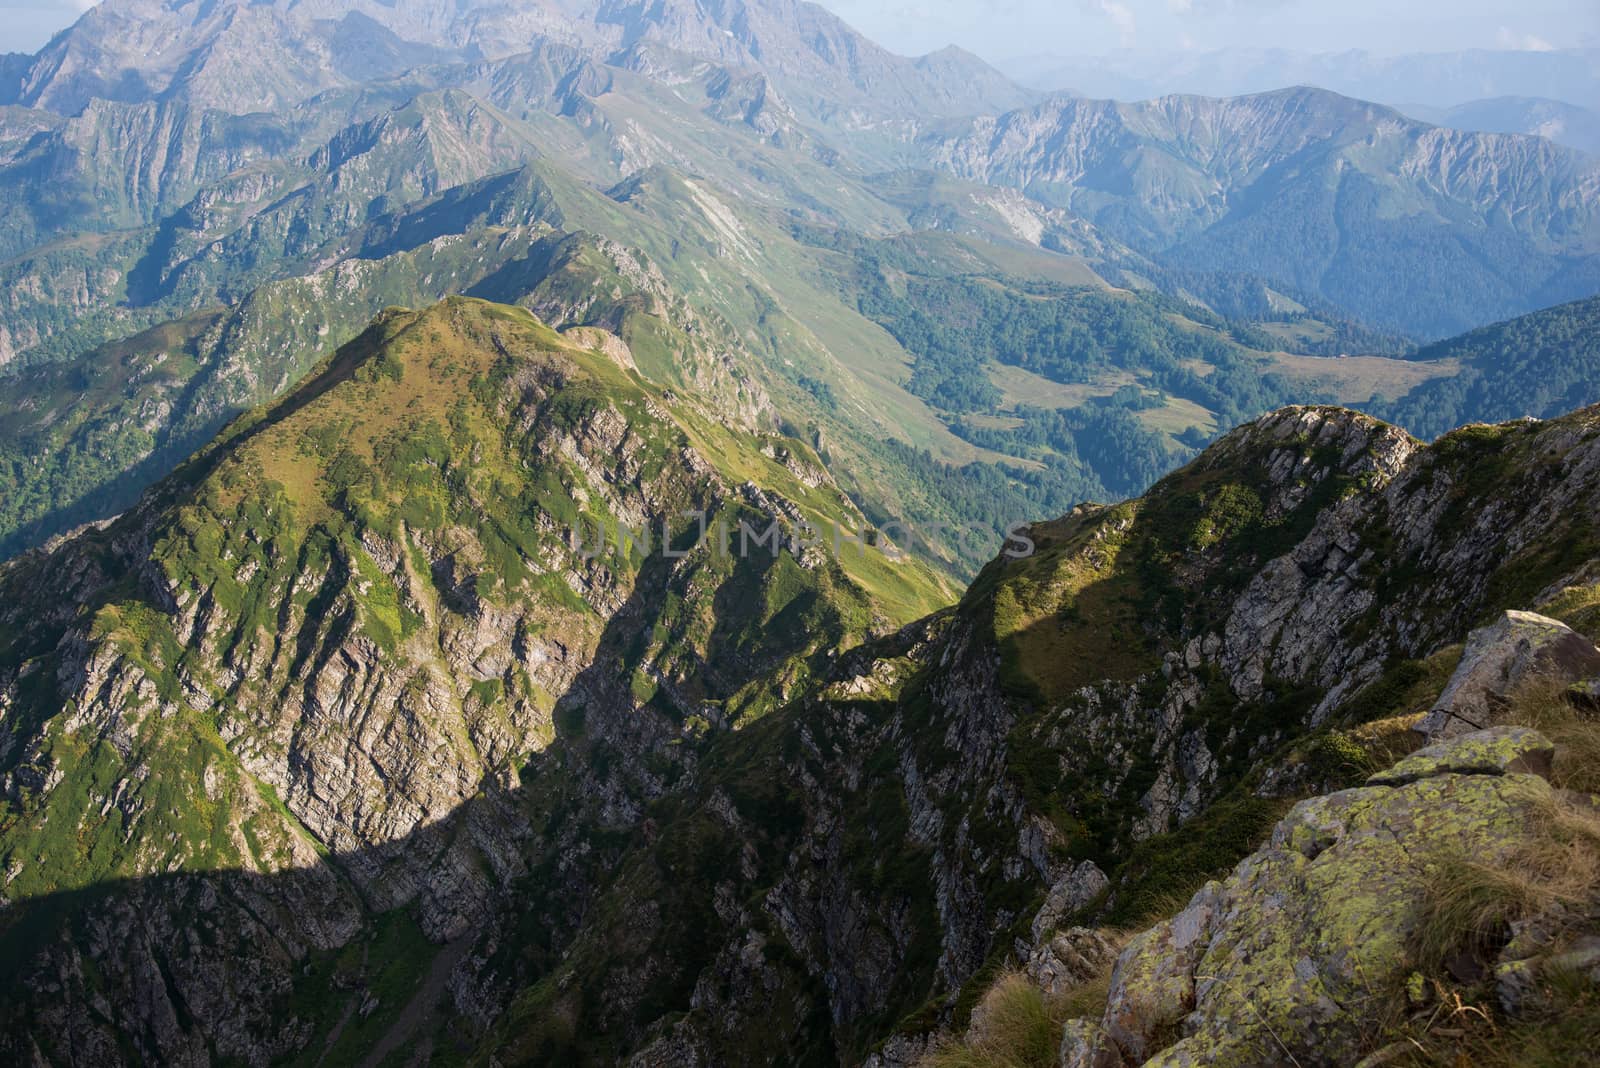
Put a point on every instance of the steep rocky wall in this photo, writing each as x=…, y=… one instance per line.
x=860, y=854
x=1148, y=660
x=349, y=664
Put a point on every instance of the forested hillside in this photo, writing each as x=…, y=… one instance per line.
x=1539, y=365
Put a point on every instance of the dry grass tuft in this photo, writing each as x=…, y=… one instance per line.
x=1578, y=607
x=1545, y=706
x=1468, y=903
x=1017, y=1025
x=1386, y=742
x=1088, y=1000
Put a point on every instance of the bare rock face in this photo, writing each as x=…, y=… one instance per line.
x=1516, y=649
x=602, y=341
x=1072, y=892
x=1262, y=967
x=1068, y=959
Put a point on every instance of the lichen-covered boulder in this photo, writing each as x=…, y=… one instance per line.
x=1274, y=965
x=1487, y=752
x=1517, y=648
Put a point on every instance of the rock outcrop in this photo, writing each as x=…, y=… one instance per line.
x=1067, y=959
x=1059, y=958
x=1517, y=650
x=1073, y=891
x=1288, y=959
x=358, y=624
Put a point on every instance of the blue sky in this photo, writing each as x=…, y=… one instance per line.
x=27, y=24
x=1001, y=29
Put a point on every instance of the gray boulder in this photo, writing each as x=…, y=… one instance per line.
x=1068, y=959
x=1262, y=967
x=1516, y=649
x=1078, y=888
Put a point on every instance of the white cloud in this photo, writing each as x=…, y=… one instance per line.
x=1121, y=16
x=1523, y=42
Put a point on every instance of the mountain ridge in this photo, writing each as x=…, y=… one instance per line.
x=962, y=733
x=1163, y=177
x=802, y=43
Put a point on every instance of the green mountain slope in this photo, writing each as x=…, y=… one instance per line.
x=81, y=441
x=332, y=628
x=1539, y=365
x=356, y=623
x=1402, y=224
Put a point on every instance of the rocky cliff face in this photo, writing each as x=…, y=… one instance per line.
x=341, y=700
x=343, y=647
x=1146, y=675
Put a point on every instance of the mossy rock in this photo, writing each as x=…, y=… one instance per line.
x=1288, y=958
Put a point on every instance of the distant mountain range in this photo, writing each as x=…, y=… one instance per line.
x=1565, y=124
x=241, y=56
x=140, y=107
x=485, y=490
x=1410, y=226
x=1438, y=80
x=1546, y=94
